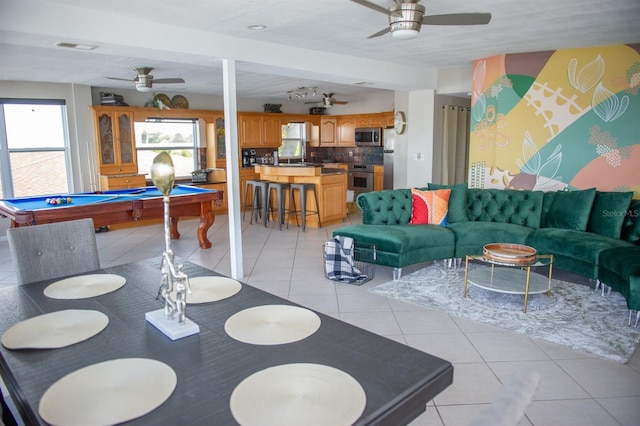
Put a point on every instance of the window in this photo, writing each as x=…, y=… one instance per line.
x=178, y=137
x=34, y=148
x=293, y=142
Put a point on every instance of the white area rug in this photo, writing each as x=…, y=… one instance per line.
x=574, y=316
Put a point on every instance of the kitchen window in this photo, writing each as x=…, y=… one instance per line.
x=178, y=137
x=292, y=146
x=34, y=148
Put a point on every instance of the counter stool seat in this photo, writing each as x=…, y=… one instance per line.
x=302, y=189
x=258, y=200
x=280, y=188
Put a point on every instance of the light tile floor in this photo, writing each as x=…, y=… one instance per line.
x=575, y=388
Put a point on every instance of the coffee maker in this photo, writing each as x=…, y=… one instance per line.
x=248, y=157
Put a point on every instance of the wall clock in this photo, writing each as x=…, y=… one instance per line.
x=400, y=122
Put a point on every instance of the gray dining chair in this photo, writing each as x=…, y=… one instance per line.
x=53, y=250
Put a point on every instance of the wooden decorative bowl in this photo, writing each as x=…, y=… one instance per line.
x=507, y=252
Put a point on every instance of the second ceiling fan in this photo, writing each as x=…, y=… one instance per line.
x=328, y=101
x=406, y=17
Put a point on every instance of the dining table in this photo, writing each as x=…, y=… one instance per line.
x=398, y=380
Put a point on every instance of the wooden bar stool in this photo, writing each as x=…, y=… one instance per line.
x=258, y=204
x=280, y=188
x=302, y=189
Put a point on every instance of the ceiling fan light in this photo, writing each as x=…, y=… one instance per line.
x=405, y=34
x=142, y=88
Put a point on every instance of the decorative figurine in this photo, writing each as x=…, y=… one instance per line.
x=162, y=175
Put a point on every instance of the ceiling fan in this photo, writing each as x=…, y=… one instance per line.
x=406, y=17
x=144, y=81
x=328, y=101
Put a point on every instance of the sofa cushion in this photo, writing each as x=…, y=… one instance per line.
x=580, y=245
x=505, y=205
x=608, y=213
x=429, y=207
x=457, y=201
x=571, y=209
x=547, y=200
x=631, y=225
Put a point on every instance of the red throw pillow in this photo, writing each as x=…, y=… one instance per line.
x=430, y=207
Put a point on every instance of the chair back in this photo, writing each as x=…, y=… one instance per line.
x=53, y=250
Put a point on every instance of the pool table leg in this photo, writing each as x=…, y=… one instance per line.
x=206, y=220
x=173, y=228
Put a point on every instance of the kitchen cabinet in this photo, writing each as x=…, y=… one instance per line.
x=222, y=208
x=383, y=120
x=333, y=190
x=115, y=147
x=328, y=130
x=378, y=177
x=246, y=174
x=347, y=130
x=122, y=181
x=259, y=131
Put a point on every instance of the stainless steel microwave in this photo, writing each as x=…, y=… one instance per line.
x=369, y=136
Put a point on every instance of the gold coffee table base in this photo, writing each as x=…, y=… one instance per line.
x=508, y=278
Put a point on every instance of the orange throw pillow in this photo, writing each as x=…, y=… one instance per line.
x=430, y=207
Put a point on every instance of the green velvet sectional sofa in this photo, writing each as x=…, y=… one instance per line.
x=592, y=233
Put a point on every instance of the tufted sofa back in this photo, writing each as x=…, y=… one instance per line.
x=505, y=205
x=388, y=207
x=631, y=225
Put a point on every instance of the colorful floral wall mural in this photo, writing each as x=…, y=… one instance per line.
x=564, y=119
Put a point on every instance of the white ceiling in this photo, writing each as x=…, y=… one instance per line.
x=319, y=43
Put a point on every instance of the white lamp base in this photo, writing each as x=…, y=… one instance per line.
x=171, y=328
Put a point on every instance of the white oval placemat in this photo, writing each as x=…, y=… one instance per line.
x=109, y=392
x=298, y=394
x=272, y=324
x=84, y=286
x=210, y=289
x=55, y=330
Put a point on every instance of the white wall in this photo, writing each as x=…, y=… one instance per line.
x=419, y=139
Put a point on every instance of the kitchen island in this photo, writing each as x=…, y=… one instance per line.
x=331, y=189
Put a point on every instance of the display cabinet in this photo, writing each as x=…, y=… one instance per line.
x=115, y=147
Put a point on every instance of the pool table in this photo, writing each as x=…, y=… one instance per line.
x=118, y=206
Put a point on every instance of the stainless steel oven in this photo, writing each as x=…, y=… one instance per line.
x=360, y=178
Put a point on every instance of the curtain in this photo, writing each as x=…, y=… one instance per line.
x=455, y=144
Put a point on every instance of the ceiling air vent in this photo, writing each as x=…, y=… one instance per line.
x=75, y=46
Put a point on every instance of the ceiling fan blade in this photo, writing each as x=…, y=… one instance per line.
x=168, y=80
x=457, y=19
x=379, y=33
x=373, y=6
x=118, y=78
x=340, y=102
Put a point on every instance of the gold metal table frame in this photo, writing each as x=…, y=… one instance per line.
x=539, y=260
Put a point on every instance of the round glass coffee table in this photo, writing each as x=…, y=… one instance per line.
x=510, y=273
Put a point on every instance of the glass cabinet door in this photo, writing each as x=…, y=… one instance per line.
x=125, y=138
x=107, y=151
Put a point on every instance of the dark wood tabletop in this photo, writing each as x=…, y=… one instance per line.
x=398, y=380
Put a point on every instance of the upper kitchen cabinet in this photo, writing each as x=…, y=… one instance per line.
x=115, y=141
x=259, y=130
x=383, y=119
x=328, y=129
x=347, y=130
